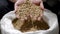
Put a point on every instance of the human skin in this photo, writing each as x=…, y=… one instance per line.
x=37, y=2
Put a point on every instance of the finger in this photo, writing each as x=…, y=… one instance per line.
x=25, y=18
x=35, y=18
x=17, y=16
x=31, y=16
x=37, y=2
x=28, y=16
x=41, y=5
x=39, y=17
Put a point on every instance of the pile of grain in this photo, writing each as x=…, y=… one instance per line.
x=29, y=25
x=29, y=9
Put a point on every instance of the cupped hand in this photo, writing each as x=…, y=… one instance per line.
x=37, y=2
x=40, y=3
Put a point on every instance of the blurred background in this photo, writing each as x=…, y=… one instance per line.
x=53, y=5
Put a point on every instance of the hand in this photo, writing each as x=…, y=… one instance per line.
x=37, y=2
x=40, y=3
x=18, y=2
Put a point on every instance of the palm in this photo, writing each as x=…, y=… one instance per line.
x=32, y=1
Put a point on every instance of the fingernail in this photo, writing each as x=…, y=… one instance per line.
x=39, y=18
x=31, y=16
x=17, y=16
x=25, y=18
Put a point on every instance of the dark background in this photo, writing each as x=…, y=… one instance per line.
x=6, y=6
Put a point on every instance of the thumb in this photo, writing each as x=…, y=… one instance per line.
x=41, y=5
x=18, y=3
